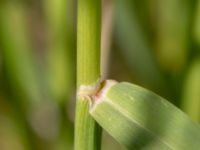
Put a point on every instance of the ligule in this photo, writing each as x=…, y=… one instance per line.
x=138, y=118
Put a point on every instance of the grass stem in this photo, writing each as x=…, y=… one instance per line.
x=87, y=131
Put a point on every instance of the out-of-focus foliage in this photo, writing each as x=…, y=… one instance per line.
x=152, y=43
x=191, y=94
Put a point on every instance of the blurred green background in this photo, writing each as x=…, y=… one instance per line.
x=153, y=43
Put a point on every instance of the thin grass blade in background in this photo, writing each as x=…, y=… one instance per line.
x=197, y=23
x=17, y=50
x=24, y=79
x=60, y=62
x=106, y=38
x=173, y=22
x=60, y=46
x=135, y=47
x=191, y=95
x=19, y=68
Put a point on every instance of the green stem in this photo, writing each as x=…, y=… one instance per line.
x=87, y=131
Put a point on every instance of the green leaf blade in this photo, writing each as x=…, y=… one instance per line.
x=138, y=118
